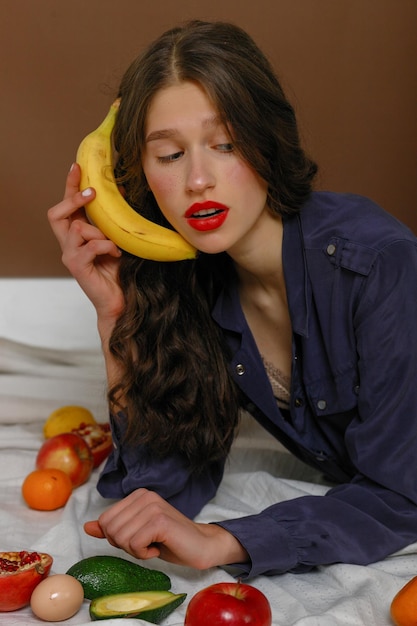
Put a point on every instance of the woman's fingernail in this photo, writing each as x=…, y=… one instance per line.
x=71, y=168
x=87, y=192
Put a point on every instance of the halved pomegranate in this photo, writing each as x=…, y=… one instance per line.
x=98, y=438
x=20, y=572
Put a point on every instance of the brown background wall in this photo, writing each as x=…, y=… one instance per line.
x=349, y=67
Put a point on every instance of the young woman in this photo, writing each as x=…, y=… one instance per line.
x=301, y=308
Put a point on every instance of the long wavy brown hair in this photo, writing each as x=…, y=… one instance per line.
x=178, y=394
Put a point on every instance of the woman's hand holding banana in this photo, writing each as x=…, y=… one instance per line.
x=89, y=256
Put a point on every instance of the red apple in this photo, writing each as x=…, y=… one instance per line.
x=69, y=453
x=229, y=604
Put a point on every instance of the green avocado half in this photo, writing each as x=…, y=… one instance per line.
x=105, y=575
x=151, y=606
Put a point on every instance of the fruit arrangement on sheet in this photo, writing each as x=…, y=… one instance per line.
x=118, y=588
x=114, y=586
x=75, y=444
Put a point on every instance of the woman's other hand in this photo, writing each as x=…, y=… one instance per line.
x=144, y=525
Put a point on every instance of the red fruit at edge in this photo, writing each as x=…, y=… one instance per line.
x=69, y=453
x=20, y=572
x=98, y=438
x=229, y=604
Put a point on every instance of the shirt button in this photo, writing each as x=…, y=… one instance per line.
x=321, y=404
x=331, y=249
x=240, y=369
x=356, y=389
x=298, y=402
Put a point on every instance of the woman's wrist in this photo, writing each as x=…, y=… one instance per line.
x=106, y=321
x=228, y=549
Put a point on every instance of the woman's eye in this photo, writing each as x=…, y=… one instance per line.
x=169, y=158
x=225, y=147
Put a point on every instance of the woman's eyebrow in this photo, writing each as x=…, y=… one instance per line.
x=167, y=133
x=213, y=120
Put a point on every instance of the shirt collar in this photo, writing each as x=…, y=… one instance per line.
x=227, y=311
x=296, y=275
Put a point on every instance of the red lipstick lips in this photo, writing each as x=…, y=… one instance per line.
x=207, y=215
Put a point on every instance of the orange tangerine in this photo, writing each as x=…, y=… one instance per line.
x=46, y=489
x=404, y=605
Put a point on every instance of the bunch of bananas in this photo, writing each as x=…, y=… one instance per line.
x=110, y=212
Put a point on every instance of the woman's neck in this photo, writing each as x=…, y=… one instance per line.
x=263, y=298
x=258, y=263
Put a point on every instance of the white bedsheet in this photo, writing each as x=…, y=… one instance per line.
x=35, y=379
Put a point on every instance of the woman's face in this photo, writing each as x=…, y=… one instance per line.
x=207, y=192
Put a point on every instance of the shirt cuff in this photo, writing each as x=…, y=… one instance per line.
x=257, y=533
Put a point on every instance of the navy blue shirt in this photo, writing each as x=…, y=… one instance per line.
x=351, y=278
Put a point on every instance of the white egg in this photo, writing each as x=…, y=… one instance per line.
x=57, y=597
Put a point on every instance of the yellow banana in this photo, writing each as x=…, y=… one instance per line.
x=110, y=212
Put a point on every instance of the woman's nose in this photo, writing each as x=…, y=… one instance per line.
x=200, y=174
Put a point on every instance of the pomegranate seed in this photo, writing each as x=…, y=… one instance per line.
x=24, y=558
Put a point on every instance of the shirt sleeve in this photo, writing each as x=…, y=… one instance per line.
x=375, y=514
x=355, y=523
x=131, y=467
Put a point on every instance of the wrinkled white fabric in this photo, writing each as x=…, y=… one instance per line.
x=256, y=476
